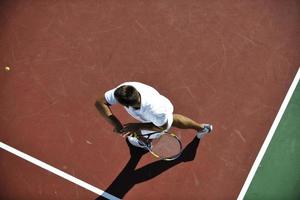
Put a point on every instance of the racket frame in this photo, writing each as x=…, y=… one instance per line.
x=148, y=145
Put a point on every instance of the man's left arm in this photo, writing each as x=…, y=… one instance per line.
x=137, y=127
x=152, y=127
x=159, y=122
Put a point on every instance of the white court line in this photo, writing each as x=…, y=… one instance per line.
x=57, y=172
x=269, y=136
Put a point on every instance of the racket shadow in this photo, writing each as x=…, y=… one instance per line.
x=130, y=176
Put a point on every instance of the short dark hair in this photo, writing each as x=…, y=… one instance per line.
x=126, y=95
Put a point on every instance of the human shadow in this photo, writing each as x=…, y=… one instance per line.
x=130, y=176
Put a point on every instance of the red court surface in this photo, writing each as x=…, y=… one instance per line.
x=228, y=63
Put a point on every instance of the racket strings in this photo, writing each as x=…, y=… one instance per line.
x=166, y=146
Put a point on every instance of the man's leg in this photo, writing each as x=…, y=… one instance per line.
x=183, y=122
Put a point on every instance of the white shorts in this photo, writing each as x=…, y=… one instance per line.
x=134, y=140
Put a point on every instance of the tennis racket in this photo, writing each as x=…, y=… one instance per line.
x=166, y=147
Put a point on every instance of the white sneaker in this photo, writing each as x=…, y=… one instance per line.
x=207, y=129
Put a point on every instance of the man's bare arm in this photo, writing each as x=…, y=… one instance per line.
x=152, y=127
x=135, y=127
x=104, y=108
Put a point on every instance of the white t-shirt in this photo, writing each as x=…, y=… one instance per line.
x=154, y=108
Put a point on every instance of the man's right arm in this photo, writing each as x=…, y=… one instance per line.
x=104, y=108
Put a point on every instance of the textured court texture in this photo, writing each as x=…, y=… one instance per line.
x=224, y=62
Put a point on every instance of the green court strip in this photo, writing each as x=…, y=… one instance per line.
x=275, y=173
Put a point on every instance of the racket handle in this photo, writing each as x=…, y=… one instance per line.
x=135, y=135
x=142, y=141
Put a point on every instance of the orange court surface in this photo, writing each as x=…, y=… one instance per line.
x=225, y=62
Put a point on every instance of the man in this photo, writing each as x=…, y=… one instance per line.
x=145, y=104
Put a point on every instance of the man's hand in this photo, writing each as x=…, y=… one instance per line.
x=118, y=128
x=139, y=136
x=130, y=128
x=104, y=108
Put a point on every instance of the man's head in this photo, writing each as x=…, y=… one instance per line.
x=128, y=96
